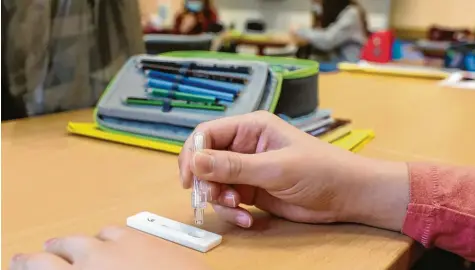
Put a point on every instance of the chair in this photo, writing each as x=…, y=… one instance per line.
x=161, y=43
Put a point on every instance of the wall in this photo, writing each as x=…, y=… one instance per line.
x=150, y=7
x=281, y=15
x=420, y=14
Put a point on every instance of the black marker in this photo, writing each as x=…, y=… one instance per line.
x=192, y=73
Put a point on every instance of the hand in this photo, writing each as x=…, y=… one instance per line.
x=188, y=23
x=293, y=29
x=115, y=248
x=258, y=159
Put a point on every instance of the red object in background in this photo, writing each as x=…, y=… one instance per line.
x=437, y=33
x=378, y=49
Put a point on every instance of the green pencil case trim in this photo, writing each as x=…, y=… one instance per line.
x=307, y=67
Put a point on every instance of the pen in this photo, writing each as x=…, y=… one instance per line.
x=197, y=82
x=199, y=192
x=199, y=66
x=231, y=78
x=161, y=84
x=180, y=96
x=173, y=104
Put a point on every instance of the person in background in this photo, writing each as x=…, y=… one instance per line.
x=258, y=159
x=196, y=17
x=317, y=11
x=12, y=107
x=343, y=31
x=61, y=55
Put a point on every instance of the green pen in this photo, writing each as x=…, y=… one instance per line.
x=174, y=104
x=180, y=95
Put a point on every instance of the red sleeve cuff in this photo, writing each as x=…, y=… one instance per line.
x=441, y=211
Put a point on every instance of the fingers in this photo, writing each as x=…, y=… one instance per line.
x=214, y=190
x=238, y=216
x=222, y=132
x=233, y=168
x=112, y=233
x=239, y=134
x=72, y=248
x=39, y=261
x=222, y=194
x=228, y=197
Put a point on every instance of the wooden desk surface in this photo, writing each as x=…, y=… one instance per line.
x=54, y=184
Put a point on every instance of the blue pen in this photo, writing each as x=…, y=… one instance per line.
x=155, y=83
x=197, y=82
x=225, y=103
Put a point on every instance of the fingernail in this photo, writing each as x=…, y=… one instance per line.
x=203, y=162
x=50, y=241
x=230, y=199
x=243, y=221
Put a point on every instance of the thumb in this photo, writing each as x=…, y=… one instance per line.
x=234, y=168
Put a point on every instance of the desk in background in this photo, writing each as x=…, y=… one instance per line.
x=54, y=184
x=260, y=41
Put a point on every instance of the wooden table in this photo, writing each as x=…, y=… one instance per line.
x=54, y=184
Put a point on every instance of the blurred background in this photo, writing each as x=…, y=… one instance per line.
x=72, y=49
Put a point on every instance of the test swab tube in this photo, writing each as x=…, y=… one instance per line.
x=199, y=193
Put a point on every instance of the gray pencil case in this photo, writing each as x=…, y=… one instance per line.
x=260, y=93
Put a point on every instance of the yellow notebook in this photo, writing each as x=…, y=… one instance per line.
x=395, y=70
x=336, y=134
x=92, y=130
x=353, y=141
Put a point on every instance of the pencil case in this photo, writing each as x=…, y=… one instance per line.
x=461, y=56
x=299, y=94
x=260, y=93
x=161, y=43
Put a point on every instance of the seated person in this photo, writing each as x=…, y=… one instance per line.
x=196, y=17
x=342, y=34
x=317, y=11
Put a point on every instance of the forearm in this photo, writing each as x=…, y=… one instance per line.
x=380, y=194
x=433, y=204
x=317, y=37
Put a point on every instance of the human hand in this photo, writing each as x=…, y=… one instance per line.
x=258, y=159
x=114, y=248
x=295, y=37
x=188, y=23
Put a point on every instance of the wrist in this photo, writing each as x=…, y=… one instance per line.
x=379, y=194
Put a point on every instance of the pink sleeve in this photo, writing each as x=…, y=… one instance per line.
x=441, y=211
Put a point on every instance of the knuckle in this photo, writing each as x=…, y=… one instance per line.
x=201, y=127
x=234, y=165
x=262, y=113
